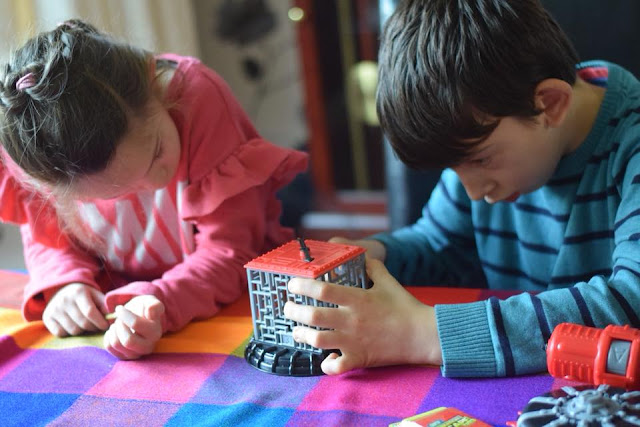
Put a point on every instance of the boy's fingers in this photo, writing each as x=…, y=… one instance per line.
x=322, y=317
x=322, y=291
x=340, y=239
x=335, y=364
x=328, y=365
x=375, y=268
x=316, y=338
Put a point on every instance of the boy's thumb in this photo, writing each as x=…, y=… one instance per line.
x=376, y=270
x=379, y=274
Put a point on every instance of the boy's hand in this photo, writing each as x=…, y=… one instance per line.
x=383, y=325
x=375, y=249
x=136, y=329
x=74, y=309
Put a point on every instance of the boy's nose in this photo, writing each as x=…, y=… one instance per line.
x=475, y=186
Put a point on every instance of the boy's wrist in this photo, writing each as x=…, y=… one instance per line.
x=426, y=344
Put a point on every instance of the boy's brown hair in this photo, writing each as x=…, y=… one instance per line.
x=450, y=69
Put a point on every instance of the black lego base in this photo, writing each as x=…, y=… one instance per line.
x=282, y=360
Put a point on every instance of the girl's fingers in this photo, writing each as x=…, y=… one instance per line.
x=85, y=314
x=129, y=343
x=154, y=312
x=119, y=340
x=77, y=314
x=98, y=298
x=136, y=328
x=112, y=344
x=141, y=326
x=54, y=327
x=68, y=324
x=93, y=309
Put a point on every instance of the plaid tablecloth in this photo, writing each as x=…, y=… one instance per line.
x=199, y=377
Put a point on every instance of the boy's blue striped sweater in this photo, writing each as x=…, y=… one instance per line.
x=575, y=241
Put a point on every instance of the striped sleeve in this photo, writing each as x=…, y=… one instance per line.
x=595, y=280
x=440, y=247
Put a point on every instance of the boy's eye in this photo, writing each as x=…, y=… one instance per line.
x=483, y=161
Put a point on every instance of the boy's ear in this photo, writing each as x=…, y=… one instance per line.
x=553, y=98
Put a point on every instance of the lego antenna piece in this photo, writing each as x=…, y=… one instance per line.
x=305, y=253
x=272, y=348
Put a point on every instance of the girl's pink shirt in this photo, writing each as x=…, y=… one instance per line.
x=187, y=243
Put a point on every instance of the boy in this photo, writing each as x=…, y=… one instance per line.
x=542, y=194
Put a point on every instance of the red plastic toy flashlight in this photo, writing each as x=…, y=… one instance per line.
x=596, y=356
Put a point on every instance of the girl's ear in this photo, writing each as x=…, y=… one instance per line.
x=152, y=68
x=553, y=98
x=158, y=82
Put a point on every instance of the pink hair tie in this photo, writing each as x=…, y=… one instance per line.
x=67, y=23
x=26, y=81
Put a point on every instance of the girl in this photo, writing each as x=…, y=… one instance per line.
x=153, y=188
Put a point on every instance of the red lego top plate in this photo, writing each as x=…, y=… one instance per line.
x=289, y=258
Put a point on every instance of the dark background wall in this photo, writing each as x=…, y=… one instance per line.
x=601, y=29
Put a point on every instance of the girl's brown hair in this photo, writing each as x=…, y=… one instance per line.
x=83, y=86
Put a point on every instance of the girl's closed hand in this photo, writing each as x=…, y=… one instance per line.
x=136, y=329
x=383, y=325
x=74, y=309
